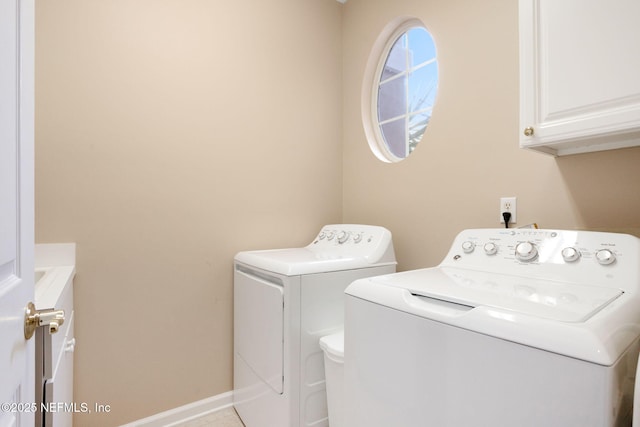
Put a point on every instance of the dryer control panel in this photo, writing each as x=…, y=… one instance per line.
x=609, y=259
x=354, y=240
x=336, y=247
x=340, y=234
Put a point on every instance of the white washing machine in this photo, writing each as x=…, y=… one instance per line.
x=514, y=328
x=284, y=301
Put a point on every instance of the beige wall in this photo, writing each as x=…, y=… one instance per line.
x=469, y=156
x=170, y=135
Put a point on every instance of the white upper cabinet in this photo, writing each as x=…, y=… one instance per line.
x=579, y=75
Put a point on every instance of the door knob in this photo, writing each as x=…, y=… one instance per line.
x=528, y=131
x=48, y=317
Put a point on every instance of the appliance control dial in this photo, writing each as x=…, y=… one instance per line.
x=605, y=256
x=526, y=251
x=570, y=254
x=357, y=238
x=331, y=235
x=490, y=248
x=468, y=247
x=343, y=236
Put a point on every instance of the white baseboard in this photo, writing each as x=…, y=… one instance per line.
x=187, y=412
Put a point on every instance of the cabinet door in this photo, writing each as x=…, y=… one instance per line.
x=579, y=85
x=59, y=389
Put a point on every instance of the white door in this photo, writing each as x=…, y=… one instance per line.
x=16, y=210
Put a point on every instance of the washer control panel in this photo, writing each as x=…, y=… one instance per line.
x=562, y=254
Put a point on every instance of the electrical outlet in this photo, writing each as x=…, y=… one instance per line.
x=508, y=204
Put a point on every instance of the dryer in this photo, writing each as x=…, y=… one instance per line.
x=285, y=300
x=513, y=328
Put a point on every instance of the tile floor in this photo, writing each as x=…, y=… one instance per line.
x=224, y=418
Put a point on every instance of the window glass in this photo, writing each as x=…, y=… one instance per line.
x=392, y=96
x=403, y=92
x=421, y=45
x=394, y=134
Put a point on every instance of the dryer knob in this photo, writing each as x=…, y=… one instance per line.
x=570, y=254
x=357, y=238
x=343, y=236
x=526, y=251
x=468, y=247
x=490, y=248
x=330, y=235
x=605, y=256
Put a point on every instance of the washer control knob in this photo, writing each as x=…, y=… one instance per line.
x=570, y=254
x=343, y=236
x=322, y=235
x=526, y=251
x=331, y=235
x=357, y=238
x=490, y=248
x=605, y=256
x=468, y=247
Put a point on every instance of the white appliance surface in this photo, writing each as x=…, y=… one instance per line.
x=515, y=327
x=337, y=247
x=285, y=300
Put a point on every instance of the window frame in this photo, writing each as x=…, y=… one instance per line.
x=371, y=82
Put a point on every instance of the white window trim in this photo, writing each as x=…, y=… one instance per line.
x=373, y=70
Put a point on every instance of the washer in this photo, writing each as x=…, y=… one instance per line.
x=285, y=300
x=514, y=328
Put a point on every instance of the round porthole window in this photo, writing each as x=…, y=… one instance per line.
x=399, y=89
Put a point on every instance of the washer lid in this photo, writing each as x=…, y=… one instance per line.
x=559, y=301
